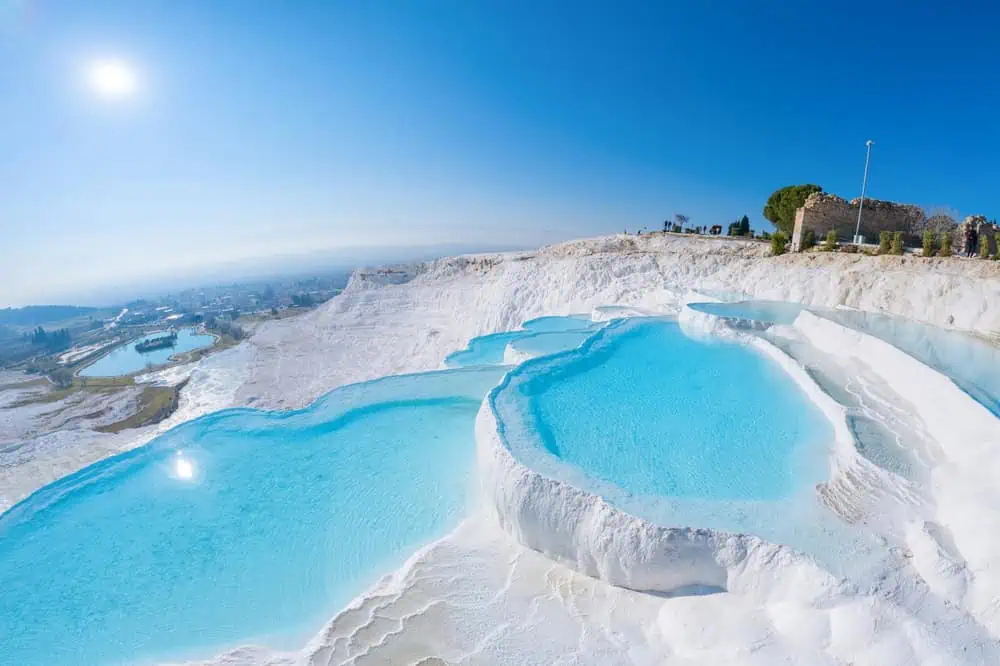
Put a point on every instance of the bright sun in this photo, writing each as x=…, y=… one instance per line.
x=113, y=79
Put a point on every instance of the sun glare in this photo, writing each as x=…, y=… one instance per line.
x=183, y=468
x=111, y=79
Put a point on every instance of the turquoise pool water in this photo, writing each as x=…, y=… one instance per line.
x=657, y=413
x=125, y=359
x=484, y=350
x=558, y=323
x=242, y=526
x=768, y=312
x=541, y=344
x=554, y=333
x=646, y=409
x=680, y=432
x=972, y=363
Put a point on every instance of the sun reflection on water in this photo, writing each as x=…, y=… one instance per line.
x=183, y=467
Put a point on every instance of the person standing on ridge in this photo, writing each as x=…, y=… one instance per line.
x=970, y=240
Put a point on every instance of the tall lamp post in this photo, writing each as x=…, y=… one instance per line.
x=864, y=186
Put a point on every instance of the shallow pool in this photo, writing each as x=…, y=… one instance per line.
x=554, y=323
x=658, y=413
x=678, y=431
x=484, y=350
x=125, y=360
x=552, y=342
x=239, y=527
x=551, y=333
x=971, y=362
x=768, y=312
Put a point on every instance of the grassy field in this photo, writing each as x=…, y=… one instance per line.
x=57, y=394
x=39, y=381
x=155, y=404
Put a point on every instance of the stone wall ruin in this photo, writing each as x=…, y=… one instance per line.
x=822, y=212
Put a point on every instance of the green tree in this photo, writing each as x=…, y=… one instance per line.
x=897, y=243
x=808, y=240
x=744, y=226
x=945, y=250
x=884, y=242
x=781, y=205
x=930, y=241
x=830, y=242
x=984, y=247
x=778, y=243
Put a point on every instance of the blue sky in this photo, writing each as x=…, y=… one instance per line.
x=267, y=127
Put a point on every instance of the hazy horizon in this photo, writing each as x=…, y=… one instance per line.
x=256, y=269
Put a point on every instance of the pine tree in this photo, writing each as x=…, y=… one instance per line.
x=744, y=226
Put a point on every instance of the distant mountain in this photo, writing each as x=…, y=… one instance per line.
x=38, y=315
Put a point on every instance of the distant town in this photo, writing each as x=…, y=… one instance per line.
x=42, y=337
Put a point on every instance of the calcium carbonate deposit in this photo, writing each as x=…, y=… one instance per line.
x=890, y=560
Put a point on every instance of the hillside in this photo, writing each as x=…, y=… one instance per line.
x=40, y=315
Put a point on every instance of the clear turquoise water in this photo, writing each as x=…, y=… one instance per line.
x=541, y=344
x=682, y=432
x=655, y=413
x=484, y=350
x=558, y=323
x=489, y=349
x=769, y=312
x=125, y=359
x=243, y=526
x=972, y=363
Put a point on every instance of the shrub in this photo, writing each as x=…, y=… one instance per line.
x=62, y=378
x=984, y=247
x=897, y=243
x=884, y=242
x=830, y=244
x=778, y=243
x=930, y=241
x=808, y=239
x=945, y=250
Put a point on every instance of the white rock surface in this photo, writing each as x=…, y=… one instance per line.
x=478, y=597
